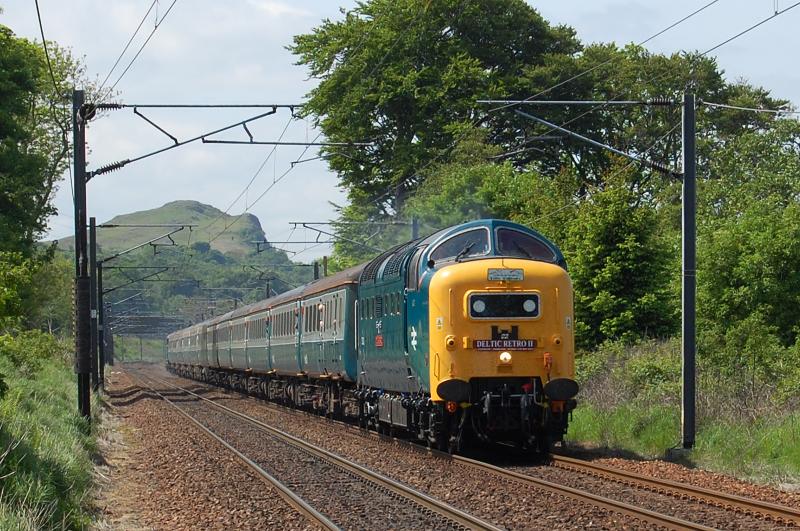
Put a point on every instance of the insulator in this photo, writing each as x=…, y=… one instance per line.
x=110, y=167
x=660, y=101
x=109, y=106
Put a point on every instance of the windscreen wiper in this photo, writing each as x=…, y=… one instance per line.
x=522, y=250
x=464, y=251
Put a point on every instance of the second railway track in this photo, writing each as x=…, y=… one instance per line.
x=778, y=513
x=333, y=491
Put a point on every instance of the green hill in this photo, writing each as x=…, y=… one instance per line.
x=210, y=222
x=200, y=281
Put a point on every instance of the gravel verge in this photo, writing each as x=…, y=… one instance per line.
x=173, y=476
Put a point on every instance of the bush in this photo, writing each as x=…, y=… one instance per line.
x=28, y=351
x=618, y=373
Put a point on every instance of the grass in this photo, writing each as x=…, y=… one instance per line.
x=46, y=451
x=646, y=432
x=630, y=404
x=767, y=449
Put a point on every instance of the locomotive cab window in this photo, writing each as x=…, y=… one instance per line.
x=470, y=243
x=518, y=244
x=412, y=274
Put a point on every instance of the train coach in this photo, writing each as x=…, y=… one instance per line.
x=467, y=332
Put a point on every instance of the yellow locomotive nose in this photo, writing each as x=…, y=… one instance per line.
x=498, y=318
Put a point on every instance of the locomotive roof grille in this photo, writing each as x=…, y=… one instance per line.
x=395, y=263
x=371, y=271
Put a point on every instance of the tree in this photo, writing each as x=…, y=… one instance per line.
x=48, y=301
x=400, y=73
x=15, y=279
x=619, y=268
x=748, y=251
x=34, y=146
x=473, y=185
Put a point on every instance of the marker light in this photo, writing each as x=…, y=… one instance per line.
x=479, y=306
x=505, y=357
x=529, y=305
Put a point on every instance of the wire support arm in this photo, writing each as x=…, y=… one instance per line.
x=750, y=109
x=118, y=165
x=276, y=143
x=151, y=122
x=340, y=238
x=650, y=164
x=145, y=225
x=126, y=251
x=115, y=106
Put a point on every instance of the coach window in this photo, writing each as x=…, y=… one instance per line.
x=328, y=316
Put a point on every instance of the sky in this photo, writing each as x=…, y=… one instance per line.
x=206, y=51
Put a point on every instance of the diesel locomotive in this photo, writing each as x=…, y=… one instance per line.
x=466, y=333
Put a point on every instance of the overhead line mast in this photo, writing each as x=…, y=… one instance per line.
x=688, y=212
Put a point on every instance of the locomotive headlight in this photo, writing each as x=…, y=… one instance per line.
x=529, y=305
x=505, y=357
x=478, y=306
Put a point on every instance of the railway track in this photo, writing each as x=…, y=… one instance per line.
x=777, y=513
x=680, y=492
x=315, y=476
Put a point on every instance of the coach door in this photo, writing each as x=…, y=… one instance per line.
x=213, y=358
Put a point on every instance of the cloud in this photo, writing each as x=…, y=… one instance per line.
x=278, y=9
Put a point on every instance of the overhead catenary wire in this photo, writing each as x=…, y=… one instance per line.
x=46, y=52
x=253, y=178
x=257, y=199
x=150, y=36
x=751, y=28
x=612, y=59
x=750, y=109
x=125, y=49
x=652, y=80
x=56, y=91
